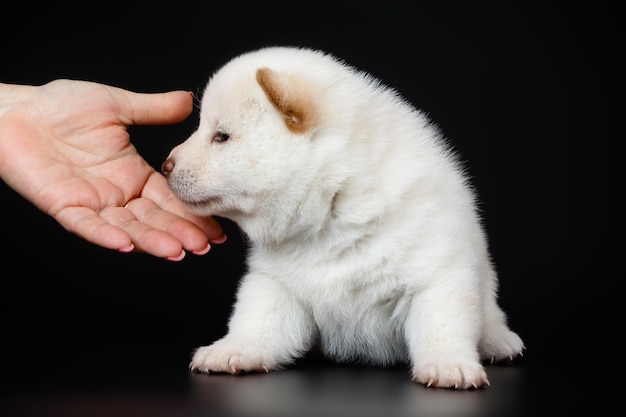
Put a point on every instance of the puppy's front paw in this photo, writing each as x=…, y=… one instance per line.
x=230, y=356
x=461, y=375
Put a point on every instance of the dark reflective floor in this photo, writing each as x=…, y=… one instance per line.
x=159, y=385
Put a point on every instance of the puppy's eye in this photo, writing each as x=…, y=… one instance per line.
x=220, y=137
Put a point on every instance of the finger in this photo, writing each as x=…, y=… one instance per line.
x=86, y=223
x=155, y=108
x=149, y=213
x=209, y=227
x=157, y=190
x=144, y=237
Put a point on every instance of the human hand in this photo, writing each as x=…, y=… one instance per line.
x=64, y=146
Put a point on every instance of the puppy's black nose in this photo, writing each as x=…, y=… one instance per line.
x=167, y=166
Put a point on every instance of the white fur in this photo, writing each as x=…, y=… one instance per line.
x=365, y=237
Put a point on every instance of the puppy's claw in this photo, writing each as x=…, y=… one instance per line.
x=267, y=371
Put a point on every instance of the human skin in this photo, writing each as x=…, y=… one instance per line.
x=65, y=147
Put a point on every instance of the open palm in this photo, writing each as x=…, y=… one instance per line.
x=65, y=147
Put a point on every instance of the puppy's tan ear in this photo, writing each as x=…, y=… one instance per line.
x=292, y=96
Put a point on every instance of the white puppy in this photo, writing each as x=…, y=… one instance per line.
x=364, y=232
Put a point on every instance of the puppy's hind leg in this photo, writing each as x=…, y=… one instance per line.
x=268, y=329
x=498, y=342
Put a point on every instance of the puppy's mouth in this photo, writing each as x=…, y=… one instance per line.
x=203, y=202
x=191, y=197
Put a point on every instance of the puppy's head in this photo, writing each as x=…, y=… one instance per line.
x=251, y=150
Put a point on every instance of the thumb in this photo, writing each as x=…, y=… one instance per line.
x=154, y=108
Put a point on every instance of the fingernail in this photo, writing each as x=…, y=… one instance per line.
x=177, y=258
x=222, y=239
x=202, y=251
x=127, y=249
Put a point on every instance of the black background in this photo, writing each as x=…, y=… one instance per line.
x=530, y=94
